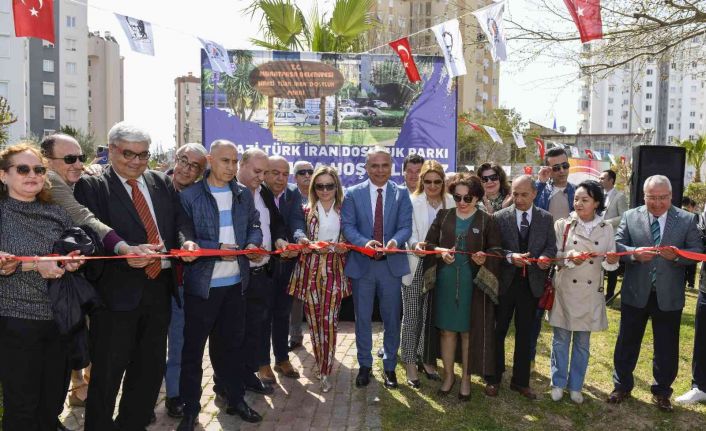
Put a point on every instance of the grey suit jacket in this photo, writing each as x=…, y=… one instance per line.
x=542, y=242
x=63, y=195
x=634, y=231
x=616, y=207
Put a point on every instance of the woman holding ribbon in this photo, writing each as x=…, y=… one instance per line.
x=586, y=247
x=318, y=278
x=34, y=365
x=466, y=283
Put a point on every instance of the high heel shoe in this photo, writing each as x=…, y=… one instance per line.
x=431, y=376
x=464, y=398
x=444, y=393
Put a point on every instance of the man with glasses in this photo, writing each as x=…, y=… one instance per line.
x=128, y=337
x=303, y=171
x=653, y=288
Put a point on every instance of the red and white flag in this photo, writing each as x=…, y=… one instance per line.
x=401, y=47
x=540, y=147
x=589, y=153
x=34, y=18
x=587, y=17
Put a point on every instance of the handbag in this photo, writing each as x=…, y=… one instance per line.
x=546, y=302
x=485, y=280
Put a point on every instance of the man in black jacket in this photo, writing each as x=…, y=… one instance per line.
x=129, y=336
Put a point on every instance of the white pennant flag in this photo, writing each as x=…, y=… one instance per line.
x=470, y=168
x=612, y=159
x=448, y=36
x=575, y=152
x=490, y=20
x=139, y=34
x=519, y=140
x=597, y=155
x=493, y=134
x=218, y=56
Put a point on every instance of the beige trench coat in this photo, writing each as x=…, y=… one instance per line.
x=579, y=304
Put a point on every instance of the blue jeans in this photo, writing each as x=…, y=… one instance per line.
x=388, y=288
x=175, y=343
x=580, y=350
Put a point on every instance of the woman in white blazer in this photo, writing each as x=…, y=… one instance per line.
x=429, y=197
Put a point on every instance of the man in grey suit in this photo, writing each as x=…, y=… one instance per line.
x=526, y=232
x=616, y=203
x=653, y=287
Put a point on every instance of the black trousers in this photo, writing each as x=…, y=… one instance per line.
x=276, y=324
x=665, y=327
x=131, y=344
x=33, y=370
x=612, y=280
x=698, y=366
x=221, y=320
x=519, y=302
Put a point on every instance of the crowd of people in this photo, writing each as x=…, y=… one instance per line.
x=479, y=250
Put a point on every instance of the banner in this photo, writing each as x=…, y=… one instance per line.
x=519, y=139
x=493, y=134
x=218, y=56
x=448, y=36
x=138, y=33
x=275, y=102
x=490, y=20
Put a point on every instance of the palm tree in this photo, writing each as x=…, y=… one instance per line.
x=695, y=154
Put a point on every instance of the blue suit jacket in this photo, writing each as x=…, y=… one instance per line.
x=290, y=208
x=357, y=225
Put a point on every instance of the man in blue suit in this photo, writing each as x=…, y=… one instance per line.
x=377, y=213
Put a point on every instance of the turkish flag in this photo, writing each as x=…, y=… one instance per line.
x=528, y=170
x=401, y=47
x=589, y=153
x=34, y=18
x=587, y=17
x=540, y=147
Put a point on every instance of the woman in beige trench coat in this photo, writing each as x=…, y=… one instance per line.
x=579, y=304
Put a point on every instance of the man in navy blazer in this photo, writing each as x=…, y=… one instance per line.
x=377, y=213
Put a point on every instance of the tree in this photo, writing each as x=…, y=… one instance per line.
x=635, y=32
x=6, y=118
x=476, y=146
x=695, y=154
x=85, y=139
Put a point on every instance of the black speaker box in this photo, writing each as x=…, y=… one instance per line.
x=648, y=160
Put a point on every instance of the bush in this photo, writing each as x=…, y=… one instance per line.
x=354, y=124
x=697, y=192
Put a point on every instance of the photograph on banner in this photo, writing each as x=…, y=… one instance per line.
x=586, y=169
x=330, y=108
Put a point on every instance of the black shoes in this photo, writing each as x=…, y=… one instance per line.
x=414, y=384
x=381, y=352
x=256, y=385
x=293, y=345
x=431, y=376
x=363, y=378
x=245, y=412
x=390, y=379
x=175, y=408
x=188, y=423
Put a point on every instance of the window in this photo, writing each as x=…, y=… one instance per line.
x=70, y=21
x=692, y=126
x=649, y=84
x=48, y=65
x=48, y=132
x=650, y=71
x=47, y=44
x=4, y=89
x=611, y=88
x=670, y=126
x=428, y=8
x=48, y=88
x=70, y=114
x=49, y=112
x=610, y=112
x=70, y=68
x=625, y=126
x=692, y=114
x=610, y=101
x=70, y=90
x=648, y=120
x=70, y=44
x=610, y=124
x=648, y=96
x=648, y=108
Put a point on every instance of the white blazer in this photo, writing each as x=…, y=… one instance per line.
x=420, y=226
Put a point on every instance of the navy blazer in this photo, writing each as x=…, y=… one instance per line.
x=292, y=212
x=357, y=226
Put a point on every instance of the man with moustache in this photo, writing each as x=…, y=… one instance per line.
x=224, y=217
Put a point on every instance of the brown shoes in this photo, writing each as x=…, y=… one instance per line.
x=491, y=390
x=618, y=396
x=286, y=368
x=266, y=375
x=524, y=391
x=663, y=403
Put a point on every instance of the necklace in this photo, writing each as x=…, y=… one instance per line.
x=433, y=204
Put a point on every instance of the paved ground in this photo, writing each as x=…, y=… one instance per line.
x=296, y=404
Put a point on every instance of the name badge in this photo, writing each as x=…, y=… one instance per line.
x=476, y=231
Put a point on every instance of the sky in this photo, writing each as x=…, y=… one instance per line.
x=538, y=91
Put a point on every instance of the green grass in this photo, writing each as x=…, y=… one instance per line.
x=369, y=136
x=407, y=409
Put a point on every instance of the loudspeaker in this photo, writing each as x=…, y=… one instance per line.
x=648, y=160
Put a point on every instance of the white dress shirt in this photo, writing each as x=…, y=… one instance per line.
x=518, y=216
x=264, y=225
x=373, y=202
x=329, y=224
x=609, y=197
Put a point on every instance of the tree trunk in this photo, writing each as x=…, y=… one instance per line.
x=271, y=114
x=322, y=120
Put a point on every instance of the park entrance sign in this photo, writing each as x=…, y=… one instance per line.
x=329, y=109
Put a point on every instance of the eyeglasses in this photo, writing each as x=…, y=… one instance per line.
x=466, y=198
x=430, y=182
x=487, y=178
x=131, y=155
x=24, y=170
x=184, y=163
x=658, y=198
x=305, y=172
x=71, y=158
x=560, y=166
x=321, y=187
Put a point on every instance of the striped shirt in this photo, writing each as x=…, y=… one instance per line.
x=225, y=273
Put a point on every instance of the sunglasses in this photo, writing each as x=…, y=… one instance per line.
x=131, y=155
x=305, y=172
x=321, y=187
x=71, y=158
x=430, y=182
x=488, y=178
x=560, y=166
x=466, y=198
x=24, y=170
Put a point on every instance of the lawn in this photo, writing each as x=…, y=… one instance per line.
x=407, y=409
x=369, y=136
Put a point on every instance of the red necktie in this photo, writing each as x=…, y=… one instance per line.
x=377, y=224
x=138, y=199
